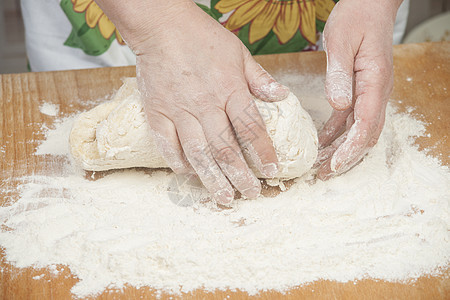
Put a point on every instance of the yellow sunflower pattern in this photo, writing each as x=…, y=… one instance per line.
x=94, y=16
x=283, y=17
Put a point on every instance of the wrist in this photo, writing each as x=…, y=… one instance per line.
x=140, y=20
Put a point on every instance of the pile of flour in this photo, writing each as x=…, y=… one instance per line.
x=388, y=218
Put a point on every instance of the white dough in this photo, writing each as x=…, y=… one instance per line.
x=115, y=135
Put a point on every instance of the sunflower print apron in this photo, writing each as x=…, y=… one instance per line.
x=264, y=26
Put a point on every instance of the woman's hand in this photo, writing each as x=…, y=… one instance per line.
x=359, y=80
x=197, y=80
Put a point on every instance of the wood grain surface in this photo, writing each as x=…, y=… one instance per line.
x=422, y=77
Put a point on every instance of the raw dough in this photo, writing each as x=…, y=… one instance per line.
x=115, y=135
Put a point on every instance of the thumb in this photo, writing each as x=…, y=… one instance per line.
x=339, y=78
x=261, y=84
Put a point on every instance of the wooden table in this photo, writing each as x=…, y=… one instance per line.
x=422, y=77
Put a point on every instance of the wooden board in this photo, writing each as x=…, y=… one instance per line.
x=422, y=76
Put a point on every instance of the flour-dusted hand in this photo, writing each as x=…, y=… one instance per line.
x=359, y=80
x=197, y=81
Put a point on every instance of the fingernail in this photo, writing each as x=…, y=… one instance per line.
x=334, y=166
x=342, y=102
x=283, y=91
x=340, y=96
x=273, y=91
x=270, y=170
x=325, y=177
x=325, y=171
x=252, y=193
x=339, y=87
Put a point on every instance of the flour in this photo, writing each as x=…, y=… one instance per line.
x=388, y=218
x=56, y=139
x=49, y=109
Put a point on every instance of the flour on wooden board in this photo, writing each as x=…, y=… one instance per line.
x=387, y=218
x=49, y=109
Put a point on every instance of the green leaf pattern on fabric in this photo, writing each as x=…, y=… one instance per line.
x=270, y=44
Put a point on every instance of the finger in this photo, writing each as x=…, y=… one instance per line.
x=198, y=153
x=261, y=83
x=167, y=143
x=251, y=132
x=333, y=128
x=374, y=81
x=339, y=75
x=324, y=173
x=368, y=115
x=324, y=156
x=227, y=153
x=327, y=152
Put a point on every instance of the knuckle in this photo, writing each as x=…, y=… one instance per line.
x=202, y=104
x=206, y=111
x=261, y=74
x=197, y=155
x=226, y=154
x=236, y=95
x=338, y=74
x=196, y=152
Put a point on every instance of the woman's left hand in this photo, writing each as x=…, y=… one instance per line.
x=358, y=42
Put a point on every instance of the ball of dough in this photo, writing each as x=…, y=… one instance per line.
x=115, y=135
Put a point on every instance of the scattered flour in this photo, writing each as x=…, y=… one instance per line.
x=56, y=140
x=49, y=109
x=388, y=218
